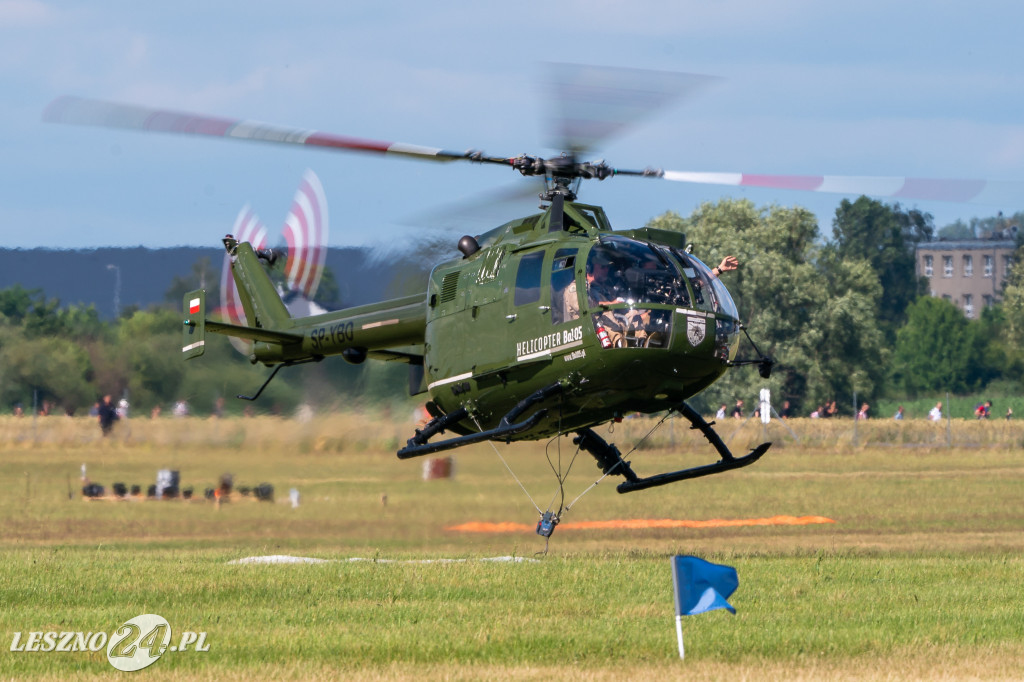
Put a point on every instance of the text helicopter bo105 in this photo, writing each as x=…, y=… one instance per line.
x=547, y=325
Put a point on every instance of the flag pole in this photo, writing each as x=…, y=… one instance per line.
x=700, y=586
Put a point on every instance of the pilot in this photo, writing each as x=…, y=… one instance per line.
x=604, y=287
x=600, y=289
x=602, y=284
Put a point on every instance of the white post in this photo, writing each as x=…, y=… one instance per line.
x=679, y=636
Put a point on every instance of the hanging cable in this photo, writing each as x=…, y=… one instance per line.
x=612, y=469
x=513, y=474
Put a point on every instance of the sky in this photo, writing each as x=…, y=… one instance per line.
x=872, y=87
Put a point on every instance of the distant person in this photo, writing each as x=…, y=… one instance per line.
x=899, y=414
x=786, y=412
x=830, y=409
x=107, y=415
x=737, y=410
x=1009, y=413
x=721, y=412
x=982, y=410
x=935, y=414
x=863, y=413
x=817, y=413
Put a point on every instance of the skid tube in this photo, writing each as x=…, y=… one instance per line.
x=418, y=445
x=727, y=463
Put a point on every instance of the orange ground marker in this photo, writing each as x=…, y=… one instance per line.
x=633, y=524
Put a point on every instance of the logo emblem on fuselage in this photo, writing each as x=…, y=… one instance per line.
x=696, y=328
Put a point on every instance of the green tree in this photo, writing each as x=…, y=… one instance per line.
x=149, y=349
x=956, y=230
x=933, y=349
x=16, y=302
x=328, y=293
x=815, y=320
x=82, y=323
x=993, y=359
x=885, y=236
x=53, y=369
x=41, y=317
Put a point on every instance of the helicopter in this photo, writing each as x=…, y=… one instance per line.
x=548, y=325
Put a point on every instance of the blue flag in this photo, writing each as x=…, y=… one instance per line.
x=701, y=585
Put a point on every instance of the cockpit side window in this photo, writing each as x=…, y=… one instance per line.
x=565, y=301
x=528, y=278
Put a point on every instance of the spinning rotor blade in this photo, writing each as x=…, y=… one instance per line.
x=91, y=112
x=589, y=104
x=595, y=103
x=492, y=207
x=305, y=231
x=924, y=189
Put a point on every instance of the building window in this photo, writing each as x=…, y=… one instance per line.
x=968, y=305
x=947, y=297
x=1007, y=264
x=968, y=266
x=987, y=299
x=990, y=266
x=928, y=266
x=947, y=266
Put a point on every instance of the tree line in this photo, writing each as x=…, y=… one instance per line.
x=64, y=359
x=840, y=315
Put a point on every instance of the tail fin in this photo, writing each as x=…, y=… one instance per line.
x=194, y=343
x=248, y=228
x=263, y=307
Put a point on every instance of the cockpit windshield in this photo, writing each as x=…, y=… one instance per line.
x=625, y=276
x=621, y=270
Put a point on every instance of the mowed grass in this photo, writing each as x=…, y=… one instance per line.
x=918, y=578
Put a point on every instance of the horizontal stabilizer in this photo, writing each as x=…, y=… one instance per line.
x=254, y=333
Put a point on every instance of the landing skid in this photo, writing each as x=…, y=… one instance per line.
x=611, y=462
x=418, y=445
x=608, y=457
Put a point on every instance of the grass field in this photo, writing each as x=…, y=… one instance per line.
x=918, y=578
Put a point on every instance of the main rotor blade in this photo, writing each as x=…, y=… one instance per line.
x=92, y=112
x=492, y=207
x=589, y=104
x=924, y=189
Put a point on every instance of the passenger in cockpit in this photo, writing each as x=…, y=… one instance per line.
x=728, y=263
